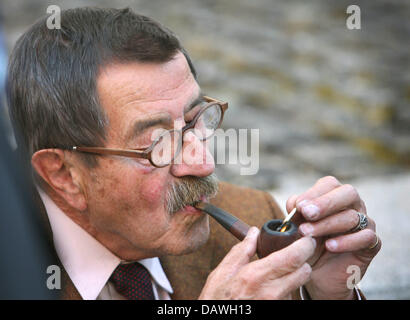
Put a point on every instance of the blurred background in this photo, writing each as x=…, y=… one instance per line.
x=327, y=100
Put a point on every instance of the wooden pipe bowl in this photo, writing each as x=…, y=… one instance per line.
x=271, y=240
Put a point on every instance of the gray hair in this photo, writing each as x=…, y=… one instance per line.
x=52, y=74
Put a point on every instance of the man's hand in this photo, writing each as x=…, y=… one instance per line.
x=329, y=213
x=273, y=277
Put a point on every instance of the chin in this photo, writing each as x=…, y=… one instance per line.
x=195, y=237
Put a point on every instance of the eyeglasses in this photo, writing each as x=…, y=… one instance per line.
x=167, y=146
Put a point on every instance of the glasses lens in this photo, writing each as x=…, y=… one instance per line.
x=166, y=148
x=208, y=122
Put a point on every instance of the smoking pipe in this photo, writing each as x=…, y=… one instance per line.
x=270, y=238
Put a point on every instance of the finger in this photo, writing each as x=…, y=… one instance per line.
x=338, y=199
x=371, y=224
x=287, y=260
x=242, y=252
x=352, y=242
x=280, y=288
x=362, y=207
x=321, y=187
x=291, y=203
x=338, y=223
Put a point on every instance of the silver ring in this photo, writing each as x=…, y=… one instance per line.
x=363, y=222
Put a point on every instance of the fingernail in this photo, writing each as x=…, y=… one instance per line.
x=314, y=242
x=300, y=204
x=306, y=229
x=331, y=244
x=310, y=211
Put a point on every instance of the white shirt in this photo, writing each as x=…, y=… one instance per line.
x=89, y=264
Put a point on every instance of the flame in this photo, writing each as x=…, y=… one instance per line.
x=284, y=228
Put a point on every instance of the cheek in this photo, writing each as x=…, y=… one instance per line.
x=132, y=187
x=122, y=197
x=153, y=191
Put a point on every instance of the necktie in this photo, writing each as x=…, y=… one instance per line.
x=133, y=281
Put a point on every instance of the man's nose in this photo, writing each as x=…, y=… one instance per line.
x=194, y=159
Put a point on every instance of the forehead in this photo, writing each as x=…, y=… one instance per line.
x=128, y=91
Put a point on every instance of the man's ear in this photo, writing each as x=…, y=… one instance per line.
x=52, y=166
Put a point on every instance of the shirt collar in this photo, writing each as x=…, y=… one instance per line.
x=154, y=267
x=88, y=263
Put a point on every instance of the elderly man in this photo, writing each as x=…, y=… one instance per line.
x=107, y=106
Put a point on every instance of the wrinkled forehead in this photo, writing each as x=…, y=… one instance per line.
x=144, y=80
x=132, y=90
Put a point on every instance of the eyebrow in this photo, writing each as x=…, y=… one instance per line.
x=141, y=125
x=199, y=98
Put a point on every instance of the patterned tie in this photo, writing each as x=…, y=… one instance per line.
x=133, y=281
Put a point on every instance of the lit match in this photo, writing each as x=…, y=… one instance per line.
x=283, y=227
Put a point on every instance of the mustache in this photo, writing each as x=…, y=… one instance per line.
x=189, y=190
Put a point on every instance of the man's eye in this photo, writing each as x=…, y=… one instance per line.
x=145, y=140
x=190, y=115
x=144, y=162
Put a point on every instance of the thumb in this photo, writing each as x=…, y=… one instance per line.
x=242, y=252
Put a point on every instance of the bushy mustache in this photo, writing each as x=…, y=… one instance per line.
x=189, y=190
